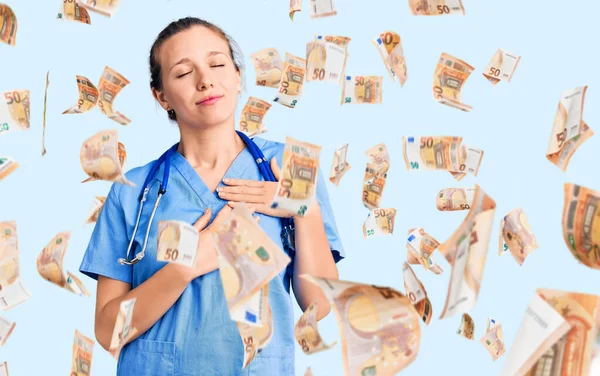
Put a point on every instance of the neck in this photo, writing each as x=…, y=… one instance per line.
x=210, y=148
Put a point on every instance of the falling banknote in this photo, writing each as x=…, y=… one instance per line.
x=8, y=25
x=322, y=8
x=559, y=328
x=448, y=79
x=419, y=246
x=307, y=333
x=14, y=111
x=12, y=290
x=441, y=153
x=493, y=339
x=569, y=130
x=292, y=80
x=7, y=166
x=379, y=222
x=298, y=184
x=467, y=327
x=111, y=84
x=379, y=326
x=452, y=199
x=362, y=89
x=104, y=7
x=339, y=164
x=123, y=330
x=6, y=328
x=44, y=114
x=255, y=337
x=251, y=119
x=326, y=58
x=466, y=251
x=102, y=157
x=581, y=224
x=177, y=242
x=248, y=260
x=50, y=265
x=8, y=233
x=502, y=67
x=4, y=369
x=95, y=210
x=416, y=293
x=295, y=6
x=268, y=67
x=436, y=7
x=71, y=10
x=375, y=175
x=389, y=46
x=83, y=348
x=516, y=236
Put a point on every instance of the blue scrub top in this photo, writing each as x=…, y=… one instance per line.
x=195, y=336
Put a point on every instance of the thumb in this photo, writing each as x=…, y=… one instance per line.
x=275, y=168
x=203, y=220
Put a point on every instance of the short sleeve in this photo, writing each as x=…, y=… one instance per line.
x=333, y=237
x=109, y=241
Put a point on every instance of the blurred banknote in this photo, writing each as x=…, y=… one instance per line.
x=339, y=165
x=436, y=7
x=298, y=184
x=295, y=6
x=123, y=330
x=502, y=67
x=448, y=79
x=420, y=245
x=516, y=235
x=95, y=210
x=466, y=250
x=50, y=265
x=292, y=81
x=326, y=58
x=322, y=8
x=44, y=114
x=467, y=327
x=4, y=369
x=6, y=328
x=104, y=7
x=88, y=96
x=389, y=46
x=248, y=260
x=253, y=114
x=569, y=130
x=379, y=222
x=83, y=348
x=379, y=327
x=255, y=337
x=307, y=333
x=7, y=166
x=14, y=111
x=416, y=293
x=559, y=328
x=102, y=157
x=177, y=242
x=451, y=199
x=12, y=290
x=308, y=372
x=71, y=10
x=8, y=233
x=268, y=67
x=375, y=175
x=8, y=25
x=441, y=153
x=493, y=339
x=581, y=224
x=362, y=89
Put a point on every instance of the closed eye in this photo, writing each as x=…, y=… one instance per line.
x=184, y=74
x=221, y=65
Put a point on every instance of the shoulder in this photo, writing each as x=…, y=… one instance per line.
x=136, y=175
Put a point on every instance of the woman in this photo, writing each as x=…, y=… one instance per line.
x=181, y=313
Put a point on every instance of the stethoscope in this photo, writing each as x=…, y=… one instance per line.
x=287, y=224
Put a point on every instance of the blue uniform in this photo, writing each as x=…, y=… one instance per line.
x=195, y=336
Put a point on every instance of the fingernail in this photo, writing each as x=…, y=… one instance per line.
x=226, y=180
x=230, y=203
x=219, y=189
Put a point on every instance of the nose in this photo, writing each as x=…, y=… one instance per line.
x=204, y=81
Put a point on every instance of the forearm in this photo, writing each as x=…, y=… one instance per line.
x=313, y=256
x=154, y=297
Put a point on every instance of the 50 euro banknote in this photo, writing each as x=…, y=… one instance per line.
x=436, y=7
x=14, y=111
x=449, y=78
x=362, y=90
x=177, y=242
x=326, y=58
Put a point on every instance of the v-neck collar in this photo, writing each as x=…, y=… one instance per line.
x=235, y=170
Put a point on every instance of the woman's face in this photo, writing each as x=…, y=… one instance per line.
x=199, y=78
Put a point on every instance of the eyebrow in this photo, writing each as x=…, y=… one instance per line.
x=187, y=60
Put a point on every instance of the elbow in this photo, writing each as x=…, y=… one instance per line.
x=323, y=309
x=102, y=336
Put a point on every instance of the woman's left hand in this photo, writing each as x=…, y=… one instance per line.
x=255, y=193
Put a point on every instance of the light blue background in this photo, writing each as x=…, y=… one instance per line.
x=510, y=122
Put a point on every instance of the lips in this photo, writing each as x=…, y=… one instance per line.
x=212, y=99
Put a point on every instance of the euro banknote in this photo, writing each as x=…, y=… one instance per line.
x=292, y=81
x=390, y=49
x=307, y=333
x=339, y=164
x=502, y=67
x=102, y=157
x=362, y=90
x=436, y=7
x=14, y=111
x=8, y=25
x=581, y=224
x=177, y=242
x=81, y=362
x=449, y=78
x=268, y=67
x=516, y=236
x=253, y=114
x=326, y=59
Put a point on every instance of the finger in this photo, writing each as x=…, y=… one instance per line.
x=239, y=197
x=275, y=168
x=203, y=220
x=250, y=207
x=257, y=218
x=243, y=189
x=247, y=183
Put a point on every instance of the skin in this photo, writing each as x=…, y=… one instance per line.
x=210, y=144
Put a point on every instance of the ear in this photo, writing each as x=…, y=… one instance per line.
x=239, y=81
x=160, y=98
